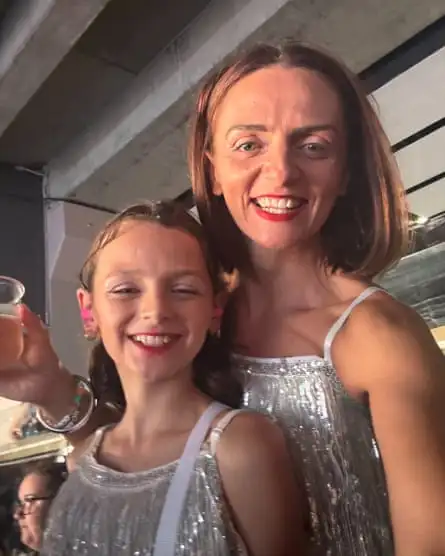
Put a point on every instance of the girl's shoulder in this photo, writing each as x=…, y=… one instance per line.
x=244, y=436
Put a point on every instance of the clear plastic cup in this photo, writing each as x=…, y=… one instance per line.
x=11, y=330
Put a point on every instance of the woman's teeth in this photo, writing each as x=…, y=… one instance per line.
x=276, y=205
x=154, y=341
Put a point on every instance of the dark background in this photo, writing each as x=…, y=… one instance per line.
x=22, y=235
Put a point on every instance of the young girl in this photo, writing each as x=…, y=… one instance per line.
x=180, y=473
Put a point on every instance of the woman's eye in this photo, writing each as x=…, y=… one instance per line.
x=315, y=150
x=247, y=146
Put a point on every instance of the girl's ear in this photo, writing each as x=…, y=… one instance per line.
x=218, y=310
x=90, y=327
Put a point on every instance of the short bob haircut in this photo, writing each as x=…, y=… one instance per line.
x=367, y=230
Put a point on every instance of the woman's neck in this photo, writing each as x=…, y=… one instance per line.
x=296, y=277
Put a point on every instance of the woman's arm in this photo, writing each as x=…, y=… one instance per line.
x=400, y=366
x=261, y=487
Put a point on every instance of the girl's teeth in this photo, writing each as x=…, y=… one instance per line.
x=153, y=340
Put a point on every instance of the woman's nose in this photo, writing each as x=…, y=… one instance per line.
x=282, y=164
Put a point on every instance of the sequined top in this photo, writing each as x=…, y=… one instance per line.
x=332, y=441
x=102, y=512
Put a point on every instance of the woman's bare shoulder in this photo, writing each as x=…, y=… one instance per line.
x=383, y=336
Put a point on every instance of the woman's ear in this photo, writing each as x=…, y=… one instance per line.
x=90, y=327
x=216, y=187
x=346, y=176
x=345, y=183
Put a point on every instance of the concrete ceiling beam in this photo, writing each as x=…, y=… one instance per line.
x=36, y=35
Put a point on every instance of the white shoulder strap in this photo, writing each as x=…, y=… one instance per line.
x=217, y=431
x=166, y=534
x=335, y=328
x=95, y=441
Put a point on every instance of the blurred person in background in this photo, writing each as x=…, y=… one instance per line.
x=36, y=491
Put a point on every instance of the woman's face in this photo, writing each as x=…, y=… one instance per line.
x=278, y=154
x=34, y=504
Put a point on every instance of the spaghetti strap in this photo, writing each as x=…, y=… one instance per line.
x=171, y=512
x=96, y=440
x=335, y=328
x=217, y=431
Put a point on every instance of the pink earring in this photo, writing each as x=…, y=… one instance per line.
x=217, y=314
x=86, y=314
x=88, y=324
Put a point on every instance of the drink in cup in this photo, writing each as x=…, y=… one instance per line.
x=11, y=331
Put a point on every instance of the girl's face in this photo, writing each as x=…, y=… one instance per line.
x=152, y=300
x=278, y=154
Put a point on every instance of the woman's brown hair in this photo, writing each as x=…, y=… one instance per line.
x=367, y=231
x=53, y=473
x=211, y=367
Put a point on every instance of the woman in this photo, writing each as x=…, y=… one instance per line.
x=298, y=191
x=287, y=149
x=35, y=494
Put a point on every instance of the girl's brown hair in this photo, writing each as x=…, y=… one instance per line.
x=367, y=231
x=211, y=366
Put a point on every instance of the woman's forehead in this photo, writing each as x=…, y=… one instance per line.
x=31, y=484
x=275, y=93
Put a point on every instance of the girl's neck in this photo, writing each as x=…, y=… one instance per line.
x=155, y=408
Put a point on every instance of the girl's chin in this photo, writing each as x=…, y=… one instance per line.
x=146, y=372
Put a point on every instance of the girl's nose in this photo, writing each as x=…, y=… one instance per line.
x=155, y=305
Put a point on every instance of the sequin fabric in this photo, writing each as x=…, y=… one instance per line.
x=332, y=442
x=101, y=512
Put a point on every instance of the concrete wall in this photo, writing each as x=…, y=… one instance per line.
x=70, y=230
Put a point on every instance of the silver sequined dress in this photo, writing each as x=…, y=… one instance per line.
x=102, y=512
x=331, y=438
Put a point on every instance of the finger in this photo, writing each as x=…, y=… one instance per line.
x=35, y=336
x=34, y=327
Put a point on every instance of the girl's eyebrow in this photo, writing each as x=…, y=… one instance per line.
x=186, y=272
x=179, y=273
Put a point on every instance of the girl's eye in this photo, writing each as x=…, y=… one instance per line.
x=185, y=290
x=125, y=290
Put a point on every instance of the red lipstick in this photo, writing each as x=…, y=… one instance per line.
x=273, y=217
x=285, y=215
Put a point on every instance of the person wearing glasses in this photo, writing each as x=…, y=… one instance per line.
x=36, y=491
